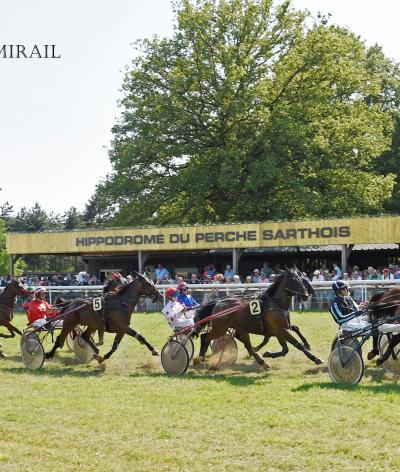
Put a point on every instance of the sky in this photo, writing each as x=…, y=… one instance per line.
x=56, y=115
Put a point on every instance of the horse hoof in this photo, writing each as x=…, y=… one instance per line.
x=100, y=343
x=155, y=353
x=3, y=355
x=213, y=367
x=319, y=361
x=48, y=355
x=372, y=354
x=379, y=361
x=266, y=366
x=100, y=358
x=266, y=354
x=198, y=360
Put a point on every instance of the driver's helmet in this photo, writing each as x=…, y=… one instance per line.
x=181, y=286
x=339, y=285
x=171, y=292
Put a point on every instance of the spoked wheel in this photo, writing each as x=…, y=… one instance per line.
x=83, y=352
x=352, y=342
x=392, y=364
x=71, y=337
x=32, y=352
x=225, y=351
x=188, y=344
x=345, y=365
x=174, y=358
x=28, y=334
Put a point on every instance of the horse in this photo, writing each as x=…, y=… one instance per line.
x=118, y=314
x=273, y=307
x=7, y=300
x=310, y=290
x=382, y=305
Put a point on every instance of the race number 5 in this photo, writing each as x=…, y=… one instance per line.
x=97, y=304
x=255, y=307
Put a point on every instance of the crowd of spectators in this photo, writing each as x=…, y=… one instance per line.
x=210, y=275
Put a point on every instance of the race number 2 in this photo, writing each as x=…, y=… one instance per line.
x=97, y=304
x=255, y=307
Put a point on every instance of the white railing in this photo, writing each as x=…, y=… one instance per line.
x=202, y=293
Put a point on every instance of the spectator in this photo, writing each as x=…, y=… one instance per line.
x=160, y=272
x=387, y=275
x=248, y=279
x=236, y=279
x=338, y=270
x=256, y=278
x=211, y=271
x=194, y=279
x=207, y=278
x=319, y=294
x=229, y=273
x=266, y=270
x=374, y=275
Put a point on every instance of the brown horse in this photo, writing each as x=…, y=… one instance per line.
x=310, y=290
x=383, y=305
x=7, y=300
x=270, y=318
x=118, y=314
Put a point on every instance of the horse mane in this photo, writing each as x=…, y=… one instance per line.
x=271, y=290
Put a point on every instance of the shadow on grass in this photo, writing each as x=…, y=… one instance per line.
x=55, y=372
x=383, y=383
x=239, y=375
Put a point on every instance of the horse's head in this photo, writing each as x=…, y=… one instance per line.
x=306, y=282
x=148, y=287
x=295, y=284
x=17, y=287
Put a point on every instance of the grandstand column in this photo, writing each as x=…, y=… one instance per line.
x=236, y=255
x=11, y=268
x=345, y=255
x=142, y=258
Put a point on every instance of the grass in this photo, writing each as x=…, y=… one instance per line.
x=130, y=416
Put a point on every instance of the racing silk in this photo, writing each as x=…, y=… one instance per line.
x=39, y=309
x=344, y=309
x=176, y=316
x=188, y=302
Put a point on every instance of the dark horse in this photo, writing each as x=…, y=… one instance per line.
x=383, y=305
x=118, y=314
x=310, y=290
x=7, y=300
x=273, y=319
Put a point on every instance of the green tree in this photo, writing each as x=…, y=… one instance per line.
x=19, y=266
x=249, y=112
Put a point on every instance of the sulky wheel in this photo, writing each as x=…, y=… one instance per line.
x=352, y=342
x=83, y=352
x=71, y=336
x=188, y=344
x=174, y=358
x=32, y=352
x=383, y=339
x=392, y=364
x=345, y=365
x=28, y=333
x=225, y=351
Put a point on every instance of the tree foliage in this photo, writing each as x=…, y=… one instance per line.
x=251, y=111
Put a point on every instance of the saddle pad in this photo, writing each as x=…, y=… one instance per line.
x=389, y=328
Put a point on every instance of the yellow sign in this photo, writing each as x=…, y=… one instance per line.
x=221, y=236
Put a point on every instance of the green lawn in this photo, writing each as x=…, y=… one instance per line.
x=130, y=416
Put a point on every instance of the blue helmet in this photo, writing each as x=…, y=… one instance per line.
x=339, y=285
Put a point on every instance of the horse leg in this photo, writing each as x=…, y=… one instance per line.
x=69, y=324
x=131, y=332
x=114, y=347
x=87, y=337
x=392, y=344
x=300, y=335
x=11, y=329
x=375, y=349
x=245, y=339
x=293, y=341
x=282, y=353
x=263, y=343
x=100, y=332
